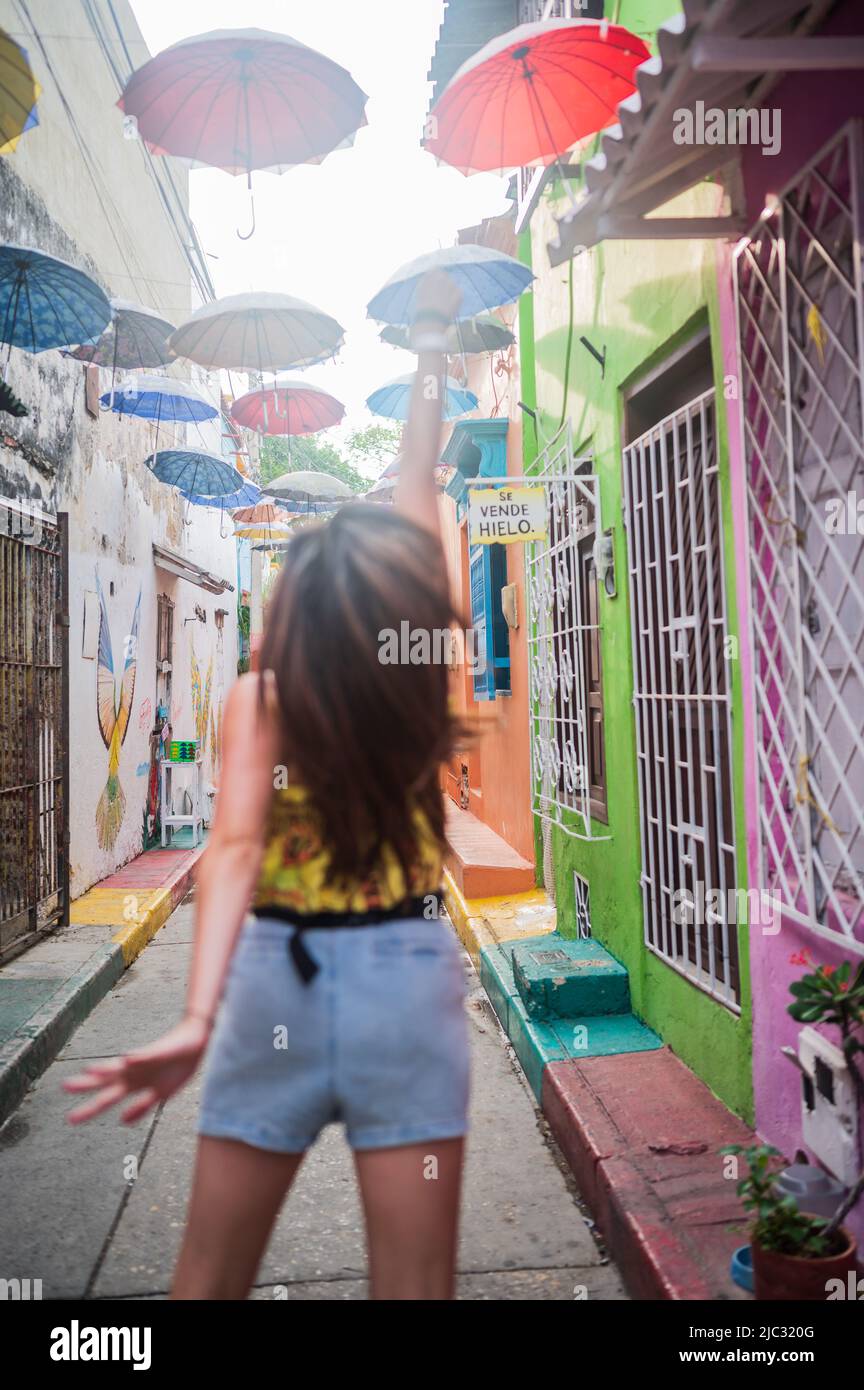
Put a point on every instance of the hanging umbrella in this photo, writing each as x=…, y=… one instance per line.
x=287, y=406
x=201, y=477
x=159, y=398
x=487, y=278
x=47, y=303
x=484, y=333
x=382, y=490
x=393, y=400
x=136, y=337
x=532, y=93
x=257, y=333
x=265, y=522
x=19, y=92
x=246, y=496
x=244, y=99
x=309, y=486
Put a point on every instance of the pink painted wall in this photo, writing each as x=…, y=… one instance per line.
x=813, y=107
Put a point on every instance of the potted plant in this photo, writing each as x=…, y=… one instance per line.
x=794, y=1253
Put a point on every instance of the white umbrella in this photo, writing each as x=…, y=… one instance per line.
x=258, y=332
x=309, y=486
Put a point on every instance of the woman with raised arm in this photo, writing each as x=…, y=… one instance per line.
x=332, y=989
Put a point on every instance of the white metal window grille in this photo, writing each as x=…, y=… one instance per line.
x=583, y=907
x=681, y=697
x=801, y=352
x=559, y=626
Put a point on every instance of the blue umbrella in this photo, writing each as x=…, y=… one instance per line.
x=246, y=496
x=486, y=278
x=159, y=398
x=47, y=303
x=393, y=399
x=204, y=475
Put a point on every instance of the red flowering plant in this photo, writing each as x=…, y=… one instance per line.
x=833, y=995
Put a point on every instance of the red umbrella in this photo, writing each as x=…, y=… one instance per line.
x=287, y=406
x=244, y=99
x=531, y=94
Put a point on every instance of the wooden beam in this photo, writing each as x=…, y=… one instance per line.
x=612, y=227
x=816, y=54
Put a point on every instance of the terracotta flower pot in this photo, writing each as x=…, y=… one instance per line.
x=790, y=1278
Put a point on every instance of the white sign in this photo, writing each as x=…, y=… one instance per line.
x=500, y=516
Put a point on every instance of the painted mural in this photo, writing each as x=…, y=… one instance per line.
x=114, y=717
x=202, y=689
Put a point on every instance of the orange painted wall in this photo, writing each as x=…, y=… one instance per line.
x=499, y=773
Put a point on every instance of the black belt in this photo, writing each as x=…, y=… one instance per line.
x=306, y=967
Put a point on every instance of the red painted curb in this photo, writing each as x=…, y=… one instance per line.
x=641, y=1134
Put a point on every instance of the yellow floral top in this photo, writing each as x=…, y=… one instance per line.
x=296, y=859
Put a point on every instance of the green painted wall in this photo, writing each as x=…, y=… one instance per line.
x=640, y=300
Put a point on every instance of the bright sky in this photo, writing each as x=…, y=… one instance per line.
x=333, y=233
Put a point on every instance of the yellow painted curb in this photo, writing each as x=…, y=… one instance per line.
x=480, y=922
x=142, y=912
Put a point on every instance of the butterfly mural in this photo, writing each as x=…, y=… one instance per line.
x=114, y=718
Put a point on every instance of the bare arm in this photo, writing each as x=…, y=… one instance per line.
x=416, y=496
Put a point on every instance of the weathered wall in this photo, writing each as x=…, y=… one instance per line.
x=639, y=300
x=103, y=212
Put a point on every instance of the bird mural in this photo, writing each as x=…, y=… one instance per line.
x=114, y=718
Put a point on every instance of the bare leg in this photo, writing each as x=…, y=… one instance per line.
x=236, y=1195
x=411, y=1201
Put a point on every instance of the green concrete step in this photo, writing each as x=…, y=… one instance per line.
x=536, y=1041
x=560, y=978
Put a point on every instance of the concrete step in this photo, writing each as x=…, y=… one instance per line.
x=483, y=865
x=538, y=1042
x=560, y=978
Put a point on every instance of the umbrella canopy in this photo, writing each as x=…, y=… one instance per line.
x=244, y=99
x=159, y=398
x=309, y=486
x=47, y=303
x=484, y=333
x=19, y=92
x=245, y=496
x=203, y=478
x=382, y=490
x=135, y=337
x=257, y=333
x=486, y=278
x=287, y=406
x=394, y=399
x=532, y=93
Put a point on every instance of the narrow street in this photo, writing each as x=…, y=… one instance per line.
x=84, y=1224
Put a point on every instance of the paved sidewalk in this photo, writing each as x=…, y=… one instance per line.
x=47, y=991
x=83, y=1223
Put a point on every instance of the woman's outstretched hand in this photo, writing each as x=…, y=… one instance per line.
x=150, y=1075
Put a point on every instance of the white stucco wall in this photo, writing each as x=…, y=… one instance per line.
x=104, y=214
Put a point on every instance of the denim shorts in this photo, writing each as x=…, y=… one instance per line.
x=378, y=1040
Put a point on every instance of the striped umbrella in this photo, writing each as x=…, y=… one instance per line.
x=159, y=398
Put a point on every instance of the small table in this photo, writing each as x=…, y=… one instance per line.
x=171, y=822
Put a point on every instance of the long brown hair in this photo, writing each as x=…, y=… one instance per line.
x=366, y=739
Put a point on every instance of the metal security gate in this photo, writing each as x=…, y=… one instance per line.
x=34, y=868
x=563, y=642
x=681, y=697
x=801, y=345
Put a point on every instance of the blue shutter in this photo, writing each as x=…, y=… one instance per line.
x=481, y=621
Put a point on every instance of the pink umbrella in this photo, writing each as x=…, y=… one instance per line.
x=244, y=99
x=287, y=406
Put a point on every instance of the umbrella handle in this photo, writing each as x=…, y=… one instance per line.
x=244, y=236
